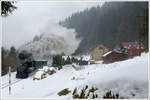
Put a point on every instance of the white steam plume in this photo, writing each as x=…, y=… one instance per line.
x=56, y=40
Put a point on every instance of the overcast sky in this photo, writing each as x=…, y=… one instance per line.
x=32, y=17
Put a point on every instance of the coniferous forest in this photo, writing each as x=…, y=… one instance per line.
x=110, y=25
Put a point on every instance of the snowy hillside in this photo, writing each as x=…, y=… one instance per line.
x=128, y=78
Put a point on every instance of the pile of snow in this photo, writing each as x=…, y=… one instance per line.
x=46, y=68
x=128, y=78
x=39, y=74
x=77, y=67
x=42, y=71
x=52, y=68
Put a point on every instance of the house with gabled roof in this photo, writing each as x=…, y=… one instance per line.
x=97, y=52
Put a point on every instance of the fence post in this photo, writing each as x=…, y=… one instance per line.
x=9, y=80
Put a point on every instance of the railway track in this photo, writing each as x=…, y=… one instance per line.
x=4, y=85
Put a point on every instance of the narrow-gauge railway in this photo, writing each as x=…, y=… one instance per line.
x=4, y=85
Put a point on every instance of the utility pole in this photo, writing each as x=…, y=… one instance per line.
x=139, y=33
x=9, y=80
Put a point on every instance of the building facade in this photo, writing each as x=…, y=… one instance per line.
x=98, y=51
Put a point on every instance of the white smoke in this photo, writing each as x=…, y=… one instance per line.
x=56, y=40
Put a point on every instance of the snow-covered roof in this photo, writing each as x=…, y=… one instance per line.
x=40, y=60
x=132, y=45
x=65, y=57
x=39, y=73
x=107, y=53
x=86, y=57
x=117, y=51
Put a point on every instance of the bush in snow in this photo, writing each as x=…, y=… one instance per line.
x=109, y=95
x=64, y=92
x=51, y=71
x=85, y=93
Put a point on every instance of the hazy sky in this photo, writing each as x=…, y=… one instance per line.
x=32, y=17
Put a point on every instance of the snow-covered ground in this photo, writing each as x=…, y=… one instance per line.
x=126, y=78
x=6, y=77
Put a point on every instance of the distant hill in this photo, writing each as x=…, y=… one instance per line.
x=111, y=24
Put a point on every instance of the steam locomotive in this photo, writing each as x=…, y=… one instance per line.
x=28, y=65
